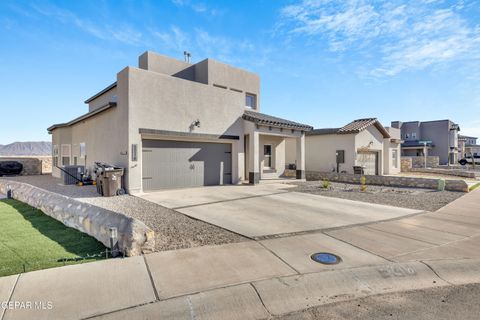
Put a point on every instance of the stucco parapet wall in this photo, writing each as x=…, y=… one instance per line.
x=134, y=237
x=451, y=185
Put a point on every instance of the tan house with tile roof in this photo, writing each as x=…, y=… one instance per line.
x=364, y=143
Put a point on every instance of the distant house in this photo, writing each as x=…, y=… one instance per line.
x=468, y=146
x=173, y=124
x=439, y=137
x=363, y=142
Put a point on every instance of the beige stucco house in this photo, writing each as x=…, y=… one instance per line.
x=364, y=143
x=170, y=123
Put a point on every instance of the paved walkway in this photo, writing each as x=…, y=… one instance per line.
x=258, y=279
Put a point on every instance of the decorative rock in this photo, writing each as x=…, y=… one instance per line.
x=450, y=185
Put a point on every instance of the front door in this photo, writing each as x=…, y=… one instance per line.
x=267, y=156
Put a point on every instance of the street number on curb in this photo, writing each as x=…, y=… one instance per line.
x=391, y=271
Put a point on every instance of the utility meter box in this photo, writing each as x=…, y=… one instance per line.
x=340, y=156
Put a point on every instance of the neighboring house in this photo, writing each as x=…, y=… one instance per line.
x=363, y=142
x=439, y=138
x=468, y=146
x=170, y=123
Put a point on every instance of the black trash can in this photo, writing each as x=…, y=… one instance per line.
x=358, y=170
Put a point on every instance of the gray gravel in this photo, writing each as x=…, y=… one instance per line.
x=413, y=198
x=173, y=230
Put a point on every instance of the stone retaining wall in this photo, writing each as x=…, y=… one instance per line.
x=407, y=163
x=448, y=172
x=134, y=237
x=33, y=165
x=451, y=185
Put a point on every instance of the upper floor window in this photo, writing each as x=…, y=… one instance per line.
x=407, y=136
x=414, y=135
x=251, y=101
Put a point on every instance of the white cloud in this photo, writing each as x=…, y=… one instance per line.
x=402, y=36
x=174, y=39
x=204, y=44
x=198, y=7
x=124, y=34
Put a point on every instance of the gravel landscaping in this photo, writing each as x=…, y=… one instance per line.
x=413, y=198
x=173, y=230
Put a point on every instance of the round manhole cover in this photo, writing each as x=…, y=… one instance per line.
x=326, y=258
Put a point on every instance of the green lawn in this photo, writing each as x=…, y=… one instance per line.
x=31, y=240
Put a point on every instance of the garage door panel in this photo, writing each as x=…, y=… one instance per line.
x=170, y=164
x=369, y=160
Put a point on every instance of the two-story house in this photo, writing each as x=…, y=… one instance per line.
x=468, y=146
x=438, y=137
x=172, y=124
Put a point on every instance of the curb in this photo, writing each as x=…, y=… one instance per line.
x=284, y=295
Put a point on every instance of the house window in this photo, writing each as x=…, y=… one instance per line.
x=267, y=155
x=251, y=101
x=414, y=135
x=407, y=136
x=82, y=150
x=65, y=154
x=394, y=158
x=55, y=155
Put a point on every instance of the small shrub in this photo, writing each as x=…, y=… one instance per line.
x=325, y=184
x=363, y=183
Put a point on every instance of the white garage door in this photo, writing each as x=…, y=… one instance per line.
x=369, y=160
x=173, y=164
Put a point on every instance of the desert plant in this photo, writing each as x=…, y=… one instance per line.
x=326, y=184
x=363, y=183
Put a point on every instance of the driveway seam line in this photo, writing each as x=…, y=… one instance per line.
x=402, y=236
x=11, y=295
x=203, y=221
x=227, y=200
x=435, y=272
x=457, y=234
x=157, y=297
x=268, y=249
x=375, y=254
x=261, y=299
x=322, y=230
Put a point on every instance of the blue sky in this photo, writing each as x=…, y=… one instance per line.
x=322, y=62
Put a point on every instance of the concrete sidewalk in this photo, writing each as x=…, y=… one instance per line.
x=122, y=289
x=258, y=279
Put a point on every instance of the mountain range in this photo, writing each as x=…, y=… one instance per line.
x=30, y=148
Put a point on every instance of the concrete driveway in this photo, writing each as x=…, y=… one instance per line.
x=270, y=209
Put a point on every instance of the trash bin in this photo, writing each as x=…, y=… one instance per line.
x=108, y=179
x=357, y=170
x=112, y=182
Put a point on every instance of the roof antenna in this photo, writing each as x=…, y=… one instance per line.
x=187, y=55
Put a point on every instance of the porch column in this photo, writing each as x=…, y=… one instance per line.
x=253, y=158
x=301, y=157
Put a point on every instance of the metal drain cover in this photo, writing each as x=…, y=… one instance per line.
x=326, y=258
